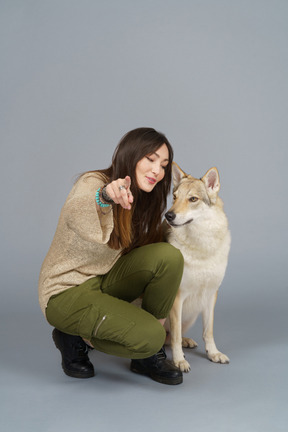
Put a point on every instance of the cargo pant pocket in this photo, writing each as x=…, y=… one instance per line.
x=104, y=326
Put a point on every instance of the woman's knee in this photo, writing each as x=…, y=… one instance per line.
x=150, y=339
x=162, y=253
x=172, y=255
x=169, y=261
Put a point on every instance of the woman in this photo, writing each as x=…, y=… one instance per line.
x=107, y=252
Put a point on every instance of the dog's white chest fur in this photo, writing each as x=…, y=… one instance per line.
x=204, y=267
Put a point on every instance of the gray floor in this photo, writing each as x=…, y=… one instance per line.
x=249, y=394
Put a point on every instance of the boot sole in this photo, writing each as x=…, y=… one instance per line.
x=77, y=375
x=161, y=380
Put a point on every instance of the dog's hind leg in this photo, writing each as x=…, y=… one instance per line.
x=208, y=320
x=186, y=325
x=189, y=343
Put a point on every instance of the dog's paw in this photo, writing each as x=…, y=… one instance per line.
x=183, y=365
x=218, y=357
x=188, y=343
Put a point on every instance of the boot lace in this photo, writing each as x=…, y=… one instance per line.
x=81, y=350
x=161, y=355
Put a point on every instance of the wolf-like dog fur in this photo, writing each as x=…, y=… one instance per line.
x=198, y=226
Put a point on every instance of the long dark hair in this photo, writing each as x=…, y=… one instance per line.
x=142, y=224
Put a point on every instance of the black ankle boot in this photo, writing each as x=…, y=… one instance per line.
x=158, y=368
x=74, y=351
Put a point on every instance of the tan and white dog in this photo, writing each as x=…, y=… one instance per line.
x=198, y=226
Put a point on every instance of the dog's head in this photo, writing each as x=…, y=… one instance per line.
x=191, y=196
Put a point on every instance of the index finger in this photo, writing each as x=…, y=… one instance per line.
x=127, y=186
x=127, y=182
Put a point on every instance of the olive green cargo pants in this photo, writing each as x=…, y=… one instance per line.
x=100, y=309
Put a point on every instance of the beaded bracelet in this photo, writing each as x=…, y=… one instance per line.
x=98, y=200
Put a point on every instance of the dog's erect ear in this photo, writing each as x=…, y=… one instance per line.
x=178, y=174
x=212, y=182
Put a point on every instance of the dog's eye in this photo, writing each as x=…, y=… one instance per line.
x=193, y=199
x=174, y=197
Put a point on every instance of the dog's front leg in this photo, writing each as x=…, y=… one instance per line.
x=176, y=335
x=208, y=320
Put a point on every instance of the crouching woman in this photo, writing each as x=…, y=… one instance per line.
x=108, y=251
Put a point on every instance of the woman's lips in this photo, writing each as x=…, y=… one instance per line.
x=151, y=180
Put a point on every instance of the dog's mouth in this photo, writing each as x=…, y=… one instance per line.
x=174, y=225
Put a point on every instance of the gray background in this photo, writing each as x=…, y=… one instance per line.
x=211, y=75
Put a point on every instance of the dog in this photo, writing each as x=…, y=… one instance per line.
x=197, y=225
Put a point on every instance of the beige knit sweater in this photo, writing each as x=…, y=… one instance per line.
x=79, y=249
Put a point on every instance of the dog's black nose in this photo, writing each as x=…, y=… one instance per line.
x=170, y=216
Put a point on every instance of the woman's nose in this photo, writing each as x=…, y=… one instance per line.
x=155, y=169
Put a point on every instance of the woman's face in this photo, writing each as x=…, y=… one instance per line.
x=150, y=170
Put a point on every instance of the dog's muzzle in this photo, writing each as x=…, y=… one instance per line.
x=171, y=216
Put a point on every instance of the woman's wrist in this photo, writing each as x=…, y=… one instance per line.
x=105, y=197
x=102, y=198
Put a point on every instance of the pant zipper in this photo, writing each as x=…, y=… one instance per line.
x=97, y=328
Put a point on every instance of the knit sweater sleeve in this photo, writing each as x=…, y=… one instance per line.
x=83, y=215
